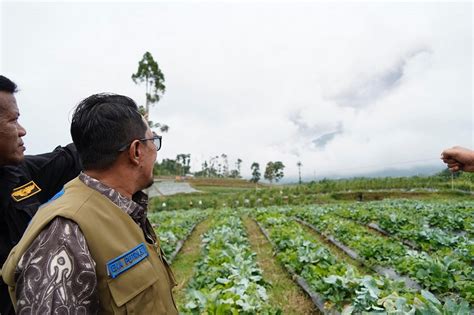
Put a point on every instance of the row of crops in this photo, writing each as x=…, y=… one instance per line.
x=407, y=257
x=174, y=227
x=442, y=272
x=227, y=278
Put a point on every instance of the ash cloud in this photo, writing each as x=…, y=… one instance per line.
x=366, y=91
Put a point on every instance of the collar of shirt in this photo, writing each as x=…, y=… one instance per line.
x=136, y=207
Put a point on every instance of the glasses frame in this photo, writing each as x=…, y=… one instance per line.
x=154, y=139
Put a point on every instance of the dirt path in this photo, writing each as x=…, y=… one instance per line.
x=284, y=293
x=184, y=263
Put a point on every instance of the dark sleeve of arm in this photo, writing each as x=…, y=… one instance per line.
x=52, y=170
x=57, y=272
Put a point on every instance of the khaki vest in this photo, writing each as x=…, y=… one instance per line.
x=144, y=288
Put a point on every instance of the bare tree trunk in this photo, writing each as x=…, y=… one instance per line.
x=147, y=105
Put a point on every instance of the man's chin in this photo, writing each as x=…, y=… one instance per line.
x=14, y=160
x=150, y=183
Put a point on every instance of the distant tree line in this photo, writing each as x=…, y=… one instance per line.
x=177, y=167
x=273, y=171
x=218, y=166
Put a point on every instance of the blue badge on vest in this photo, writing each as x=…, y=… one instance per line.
x=126, y=261
x=57, y=195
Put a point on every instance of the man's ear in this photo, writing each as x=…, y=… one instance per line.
x=135, y=152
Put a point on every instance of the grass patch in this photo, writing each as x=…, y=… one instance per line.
x=183, y=265
x=198, y=182
x=222, y=189
x=381, y=195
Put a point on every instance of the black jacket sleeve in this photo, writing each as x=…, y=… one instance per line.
x=52, y=170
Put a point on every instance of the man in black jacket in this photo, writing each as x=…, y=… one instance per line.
x=26, y=182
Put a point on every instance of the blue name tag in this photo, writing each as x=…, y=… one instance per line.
x=126, y=261
x=58, y=194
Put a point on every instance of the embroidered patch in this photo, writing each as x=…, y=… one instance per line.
x=126, y=261
x=25, y=191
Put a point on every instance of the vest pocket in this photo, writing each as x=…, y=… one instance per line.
x=134, y=284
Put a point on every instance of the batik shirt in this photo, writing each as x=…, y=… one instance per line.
x=56, y=275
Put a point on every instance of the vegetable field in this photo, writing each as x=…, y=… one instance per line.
x=381, y=257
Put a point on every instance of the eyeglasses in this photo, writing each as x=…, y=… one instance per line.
x=156, y=141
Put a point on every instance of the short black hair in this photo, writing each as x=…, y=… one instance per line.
x=7, y=85
x=101, y=125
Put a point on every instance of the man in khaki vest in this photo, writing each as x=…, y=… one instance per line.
x=91, y=249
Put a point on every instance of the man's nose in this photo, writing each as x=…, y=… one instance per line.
x=21, y=131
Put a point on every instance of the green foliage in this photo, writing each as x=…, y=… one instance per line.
x=218, y=166
x=299, y=164
x=447, y=174
x=175, y=226
x=149, y=72
x=431, y=226
x=227, y=279
x=255, y=172
x=179, y=166
x=351, y=292
x=238, y=165
x=428, y=304
x=464, y=182
x=336, y=281
x=274, y=171
x=438, y=273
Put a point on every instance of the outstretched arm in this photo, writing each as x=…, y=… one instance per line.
x=459, y=159
x=52, y=170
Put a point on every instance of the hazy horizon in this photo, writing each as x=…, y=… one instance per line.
x=347, y=88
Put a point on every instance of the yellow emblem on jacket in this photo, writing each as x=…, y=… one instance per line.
x=25, y=191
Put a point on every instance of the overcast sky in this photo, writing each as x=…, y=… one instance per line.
x=345, y=88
